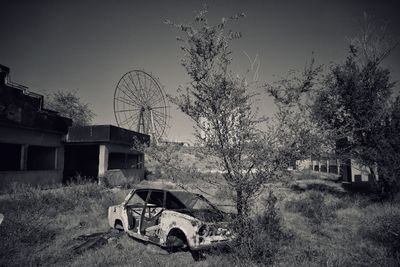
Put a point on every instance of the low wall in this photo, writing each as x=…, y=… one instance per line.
x=122, y=176
x=47, y=177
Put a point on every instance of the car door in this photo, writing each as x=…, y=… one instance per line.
x=155, y=204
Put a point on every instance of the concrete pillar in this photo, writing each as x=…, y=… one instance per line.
x=24, y=158
x=103, y=160
x=327, y=166
x=60, y=158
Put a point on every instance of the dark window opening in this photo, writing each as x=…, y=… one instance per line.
x=323, y=168
x=41, y=158
x=122, y=161
x=81, y=161
x=333, y=169
x=10, y=157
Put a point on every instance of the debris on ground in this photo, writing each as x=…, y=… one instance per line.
x=95, y=240
x=1, y=218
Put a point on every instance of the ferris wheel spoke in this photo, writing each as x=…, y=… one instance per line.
x=158, y=127
x=154, y=126
x=154, y=94
x=132, y=124
x=137, y=96
x=127, y=110
x=130, y=95
x=145, y=92
x=157, y=101
x=125, y=101
x=129, y=118
x=146, y=95
x=144, y=86
x=158, y=113
x=140, y=92
x=160, y=119
x=151, y=90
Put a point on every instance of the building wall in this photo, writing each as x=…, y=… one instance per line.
x=37, y=157
x=349, y=170
x=48, y=177
x=361, y=174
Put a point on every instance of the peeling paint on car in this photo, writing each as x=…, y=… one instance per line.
x=158, y=222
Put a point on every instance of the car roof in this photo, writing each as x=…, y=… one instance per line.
x=163, y=189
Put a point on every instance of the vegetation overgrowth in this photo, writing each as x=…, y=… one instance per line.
x=289, y=228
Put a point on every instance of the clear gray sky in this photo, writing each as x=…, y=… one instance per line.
x=88, y=45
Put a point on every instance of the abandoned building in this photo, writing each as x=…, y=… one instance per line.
x=38, y=146
x=351, y=173
x=104, y=151
x=31, y=137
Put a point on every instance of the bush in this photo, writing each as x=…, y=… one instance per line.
x=313, y=207
x=306, y=174
x=262, y=236
x=381, y=224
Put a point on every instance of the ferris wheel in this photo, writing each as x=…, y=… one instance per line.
x=140, y=104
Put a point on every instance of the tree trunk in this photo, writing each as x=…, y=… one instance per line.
x=240, y=209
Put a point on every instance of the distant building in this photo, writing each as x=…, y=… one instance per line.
x=38, y=146
x=350, y=172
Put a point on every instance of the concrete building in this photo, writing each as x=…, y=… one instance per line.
x=350, y=172
x=31, y=137
x=106, y=152
x=38, y=146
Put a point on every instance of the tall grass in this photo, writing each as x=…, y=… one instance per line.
x=34, y=218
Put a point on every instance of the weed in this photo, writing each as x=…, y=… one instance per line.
x=312, y=206
x=262, y=236
x=381, y=224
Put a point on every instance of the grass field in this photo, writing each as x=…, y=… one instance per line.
x=321, y=225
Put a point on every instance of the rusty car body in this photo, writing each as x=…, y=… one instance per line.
x=171, y=218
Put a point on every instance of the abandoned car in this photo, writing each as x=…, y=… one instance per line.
x=171, y=219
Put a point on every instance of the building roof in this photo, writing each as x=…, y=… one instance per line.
x=21, y=108
x=104, y=134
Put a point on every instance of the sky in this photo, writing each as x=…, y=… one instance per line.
x=87, y=46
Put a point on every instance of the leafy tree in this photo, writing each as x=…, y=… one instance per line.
x=351, y=107
x=69, y=105
x=219, y=103
x=356, y=105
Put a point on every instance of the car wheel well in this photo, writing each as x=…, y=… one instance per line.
x=118, y=224
x=177, y=238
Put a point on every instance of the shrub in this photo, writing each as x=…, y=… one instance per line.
x=313, y=207
x=262, y=236
x=381, y=224
x=306, y=174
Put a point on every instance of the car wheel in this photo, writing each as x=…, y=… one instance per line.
x=176, y=241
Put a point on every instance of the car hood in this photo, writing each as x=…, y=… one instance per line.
x=211, y=216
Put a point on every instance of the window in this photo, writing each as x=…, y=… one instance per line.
x=122, y=161
x=41, y=158
x=138, y=199
x=10, y=157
